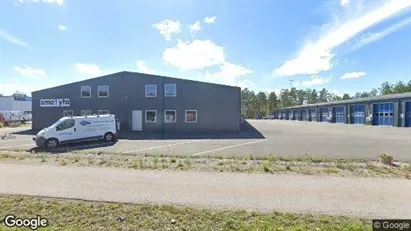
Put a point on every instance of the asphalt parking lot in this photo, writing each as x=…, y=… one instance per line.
x=286, y=138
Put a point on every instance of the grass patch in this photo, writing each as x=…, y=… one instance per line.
x=81, y=215
x=271, y=164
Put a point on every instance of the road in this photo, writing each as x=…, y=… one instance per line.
x=364, y=197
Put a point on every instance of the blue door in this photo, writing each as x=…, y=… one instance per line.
x=290, y=115
x=304, y=114
x=313, y=114
x=323, y=114
x=296, y=115
x=383, y=114
x=339, y=114
x=357, y=114
x=407, y=114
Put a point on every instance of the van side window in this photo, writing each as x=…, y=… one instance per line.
x=66, y=125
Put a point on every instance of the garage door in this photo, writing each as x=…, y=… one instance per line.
x=304, y=115
x=313, y=114
x=384, y=114
x=408, y=114
x=323, y=114
x=290, y=115
x=296, y=115
x=357, y=114
x=339, y=114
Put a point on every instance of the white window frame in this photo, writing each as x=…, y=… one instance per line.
x=175, y=117
x=81, y=112
x=81, y=91
x=150, y=85
x=64, y=113
x=98, y=91
x=171, y=84
x=155, y=118
x=185, y=116
x=99, y=112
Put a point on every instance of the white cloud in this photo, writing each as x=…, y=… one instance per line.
x=336, y=92
x=230, y=74
x=62, y=27
x=29, y=72
x=88, y=69
x=353, y=75
x=315, y=80
x=197, y=54
x=142, y=67
x=317, y=56
x=195, y=27
x=344, y=2
x=210, y=20
x=168, y=27
x=10, y=38
x=60, y=2
x=373, y=37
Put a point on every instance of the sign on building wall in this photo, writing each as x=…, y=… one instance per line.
x=54, y=102
x=22, y=98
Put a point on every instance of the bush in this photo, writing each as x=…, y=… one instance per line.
x=385, y=156
x=1, y=125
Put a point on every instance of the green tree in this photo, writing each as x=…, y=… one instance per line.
x=272, y=102
x=400, y=87
x=285, y=99
x=386, y=88
x=262, y=104
x=248, y=103
x=346, y=96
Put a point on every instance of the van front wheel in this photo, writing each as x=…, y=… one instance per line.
x=51, y=144
x=108, y=137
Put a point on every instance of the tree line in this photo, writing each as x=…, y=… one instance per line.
x=262, y=104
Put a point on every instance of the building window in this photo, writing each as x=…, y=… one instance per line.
x=103, y=91
x=170, y=116
x=151, y=90
x=170, y=90
x=151, y=116
x=85, y=112
x=85, y=91
x=68, y=113
x=191, y=116
x=103, y=112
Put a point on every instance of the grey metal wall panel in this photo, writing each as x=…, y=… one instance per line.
x=218, y=106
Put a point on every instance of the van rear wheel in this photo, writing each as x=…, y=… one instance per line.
x=108, y=137
x=51, y=144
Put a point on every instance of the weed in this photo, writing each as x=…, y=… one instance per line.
x=180, y=165
x=266, y=166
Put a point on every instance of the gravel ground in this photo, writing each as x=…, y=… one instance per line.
x=362, y=197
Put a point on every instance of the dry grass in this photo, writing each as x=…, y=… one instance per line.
x=270, y=164
x=67, y=214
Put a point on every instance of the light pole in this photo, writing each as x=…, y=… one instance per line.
x=291, y=83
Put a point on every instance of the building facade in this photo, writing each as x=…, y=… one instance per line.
x=12, y=103
x=388, y=110
x=143, y=103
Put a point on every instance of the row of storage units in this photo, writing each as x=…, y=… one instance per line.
x=381, y=114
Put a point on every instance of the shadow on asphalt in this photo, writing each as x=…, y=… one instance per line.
x=74, y=147
x=247, y=131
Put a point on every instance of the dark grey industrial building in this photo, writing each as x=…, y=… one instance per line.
x=388, y=110
x=143, y=103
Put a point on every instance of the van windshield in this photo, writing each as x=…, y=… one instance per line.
x=57, y=123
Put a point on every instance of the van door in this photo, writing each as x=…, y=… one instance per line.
x=66, y=131
x=137, y=120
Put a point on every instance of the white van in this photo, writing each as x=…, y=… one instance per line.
x=77, y=129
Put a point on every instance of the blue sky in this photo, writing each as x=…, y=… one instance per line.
x=342, y=45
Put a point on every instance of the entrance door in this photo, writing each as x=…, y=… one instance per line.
x=408, y=114
x=137, y=120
